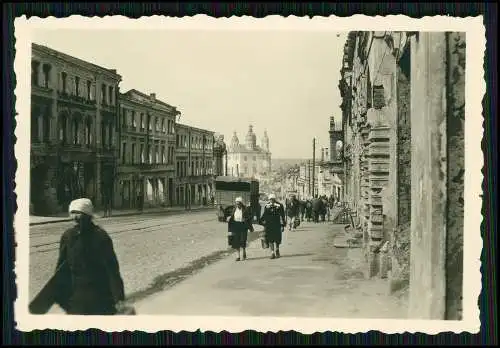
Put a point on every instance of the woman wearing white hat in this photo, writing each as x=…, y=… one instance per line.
x=90, y=282
x=239, y=223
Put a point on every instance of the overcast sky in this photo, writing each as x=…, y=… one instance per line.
x=282, y=82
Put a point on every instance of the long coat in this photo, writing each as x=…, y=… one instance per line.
x=238, y=231
x=273, y=219
x=90, y=283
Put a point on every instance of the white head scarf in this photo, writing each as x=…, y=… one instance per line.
x=238, y=199
x=83, y=206
x=272, y=196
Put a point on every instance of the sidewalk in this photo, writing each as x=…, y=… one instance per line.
x=311, y=279
x=41, y=220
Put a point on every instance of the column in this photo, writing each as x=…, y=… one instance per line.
x=54, y=134
x=429, y=177
x=98, y=118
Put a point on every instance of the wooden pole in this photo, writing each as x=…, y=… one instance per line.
x=313, y=168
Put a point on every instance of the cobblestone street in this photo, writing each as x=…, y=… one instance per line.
x=147, y=247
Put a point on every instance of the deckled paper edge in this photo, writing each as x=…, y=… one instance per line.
x=475, y=89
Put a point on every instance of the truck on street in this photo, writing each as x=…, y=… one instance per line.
x=228, y=188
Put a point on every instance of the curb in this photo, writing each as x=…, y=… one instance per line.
x=168, y=212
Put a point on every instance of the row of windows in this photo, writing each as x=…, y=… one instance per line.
x=79, y=132
x=244, y=171
x=158, y=124
x=152, y=154
x=156, y=154
x=181, y=140
x=245, y=158
x=72, y=85
x=197, y=168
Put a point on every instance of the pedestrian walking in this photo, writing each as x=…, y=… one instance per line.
x=90, y=282
x=309, y=208
x=292, y=211
x=274, y=221
x=239, y=223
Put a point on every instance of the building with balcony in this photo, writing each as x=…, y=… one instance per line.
x=146, y=161
x=73, y=135
x=249, y=159
x=194, y=163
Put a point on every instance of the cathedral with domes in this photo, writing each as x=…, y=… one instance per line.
x=249, y=160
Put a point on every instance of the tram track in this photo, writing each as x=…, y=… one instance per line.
x=53, y=245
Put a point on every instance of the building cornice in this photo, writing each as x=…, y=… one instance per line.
x=66, y=58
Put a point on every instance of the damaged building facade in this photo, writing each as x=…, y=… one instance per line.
x=403, y=127
x=146, y=170
x=73, y=136
x=125, y=149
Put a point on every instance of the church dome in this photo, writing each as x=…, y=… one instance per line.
x=251, y=139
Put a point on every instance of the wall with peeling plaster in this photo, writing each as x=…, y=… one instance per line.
x=456, y=43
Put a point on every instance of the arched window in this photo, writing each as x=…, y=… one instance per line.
x=63, y=129
x=46, y=124
x=88, y=132
x=34, y=125
x=76, y=130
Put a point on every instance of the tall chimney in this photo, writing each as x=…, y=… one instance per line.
x=152, y=96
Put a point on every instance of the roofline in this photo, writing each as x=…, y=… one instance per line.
x=64, y=56
x=149, y=96
x=194, y=128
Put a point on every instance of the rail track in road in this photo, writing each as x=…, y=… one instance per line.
x=113, y=229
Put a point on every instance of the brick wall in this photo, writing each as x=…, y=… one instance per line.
x=456, y=166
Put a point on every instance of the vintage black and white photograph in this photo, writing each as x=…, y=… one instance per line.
x=241, y=173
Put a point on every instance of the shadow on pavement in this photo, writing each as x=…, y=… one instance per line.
x=281, y=257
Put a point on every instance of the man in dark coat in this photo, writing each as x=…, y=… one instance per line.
x=317, y=205
x=274, y=221
x=90, y=282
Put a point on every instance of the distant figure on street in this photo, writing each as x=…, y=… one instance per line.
x=292, y=211
x=302, y=204
x=90, y=282
x=239, y=223
x=274, y=221
x=309, y=209
x=316, y=208
x=106, y=197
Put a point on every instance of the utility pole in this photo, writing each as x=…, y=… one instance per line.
x=314, y=167
x=309, y=177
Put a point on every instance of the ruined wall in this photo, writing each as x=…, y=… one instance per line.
x=429, y=172
x=456, y=169
x=400, y=243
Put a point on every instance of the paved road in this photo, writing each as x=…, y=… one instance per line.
x=311, y=279
x=153, y=250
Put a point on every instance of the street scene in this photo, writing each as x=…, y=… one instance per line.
x=258, y=182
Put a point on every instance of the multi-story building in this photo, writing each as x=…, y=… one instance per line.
x=249, y=160
x=403, y=98
x=146, y=166
x=194, y=158
x=73, y=140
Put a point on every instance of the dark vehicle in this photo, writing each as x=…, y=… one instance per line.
x=228, y=188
